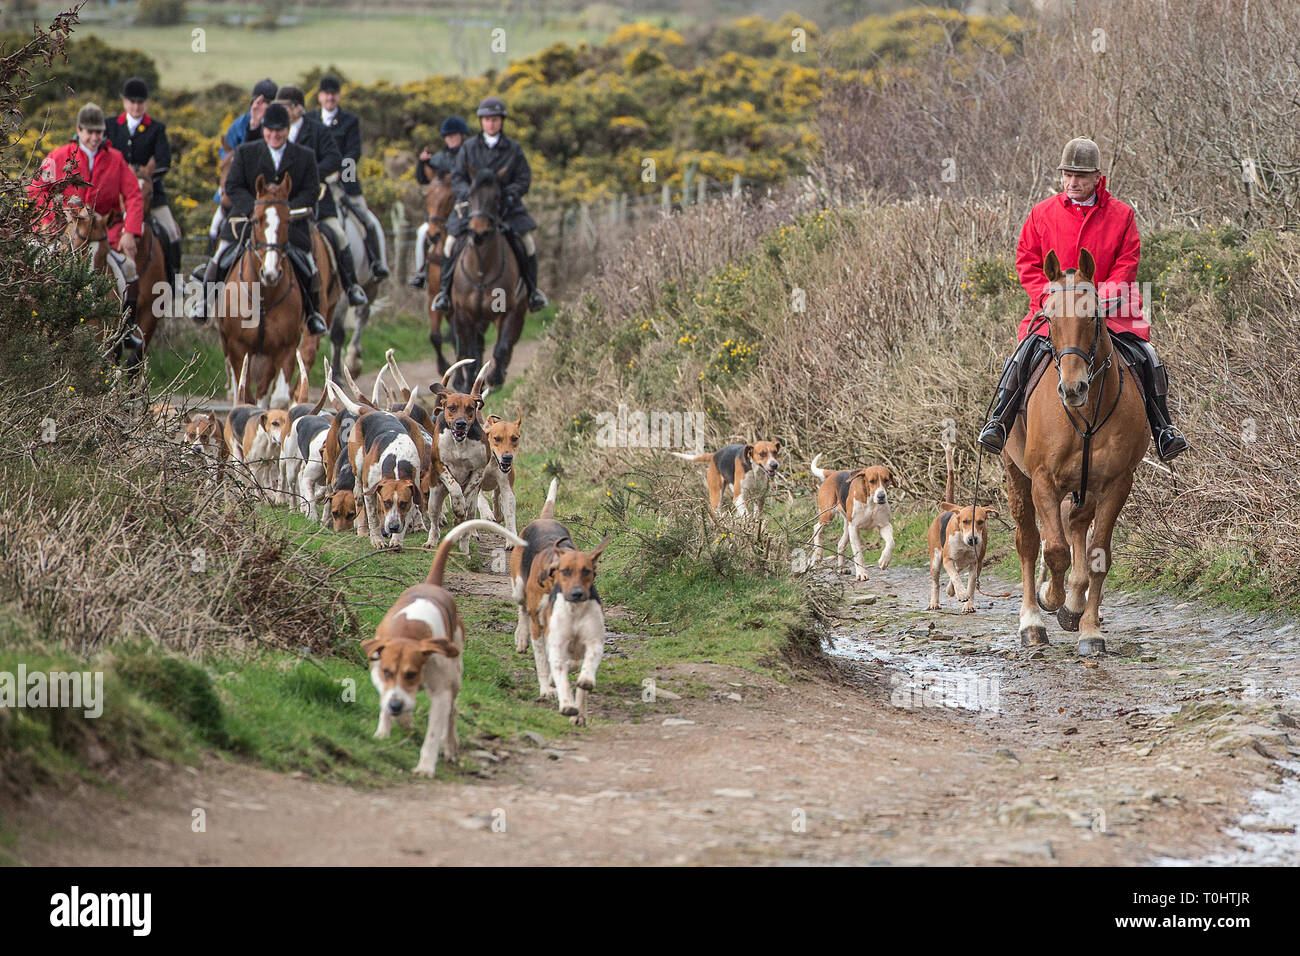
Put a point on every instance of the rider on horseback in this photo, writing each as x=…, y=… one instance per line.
x=273, y=157
x=139, y=137
x=263, y=93
x=492, y=149
x=112, y=186
x=1084, y=215
x=305, y=131
x=442, y=163
x=346, y=128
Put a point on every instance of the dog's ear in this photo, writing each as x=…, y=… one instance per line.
x=520, y=420
x=776, y=447
x=372, y=647
x=478, y=401
x=439, y=645
x=599, y=548
x=493, y=419
x=948, y=506
x=547, y=576
x=747, y=453
x=889, y=476
x=991, y=513
x=418, y=497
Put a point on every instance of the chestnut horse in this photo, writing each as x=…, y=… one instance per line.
x=487, y=286
x=1083, y=438
x=438, y=199
x=150, y=263
x=85, y=231
x=260, y=307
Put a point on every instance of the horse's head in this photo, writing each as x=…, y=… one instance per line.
x=271, y=226
x=438, y=199
x=144, y=176
x=84, y=228
x=484, y=203
x=1071, y=307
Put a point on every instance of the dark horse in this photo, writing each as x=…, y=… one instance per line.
x=487, y=286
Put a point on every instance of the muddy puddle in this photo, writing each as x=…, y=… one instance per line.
x=1212, y=679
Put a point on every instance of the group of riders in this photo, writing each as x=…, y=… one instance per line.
x=277, y=136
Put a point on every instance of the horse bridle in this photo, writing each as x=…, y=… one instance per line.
x=1090, y=428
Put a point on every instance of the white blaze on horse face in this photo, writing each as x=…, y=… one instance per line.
x=271, y=264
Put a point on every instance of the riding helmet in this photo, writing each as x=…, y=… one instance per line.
x=265, y=89
x=329, y=84
x=91, y=117
x=135, y=89
x=290, y=93
x=453, y=124
x=492, y=106
x=1080, y=155
x=275, y=117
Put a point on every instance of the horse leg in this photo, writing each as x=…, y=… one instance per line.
x=1020, y=499
x=1080, y=520
x=1090, y=639
x=354, y=346
x=1056, y=549
x=509, y=329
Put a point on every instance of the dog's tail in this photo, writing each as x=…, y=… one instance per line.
x=817, y=473
x=444, y=549
x=548, y=509
x=398, y=377
x=320, y=403
x=341, y=397
x=303, y=395
x=685, y=457
x=446, y=376
x=950, y=489
x=379, y=384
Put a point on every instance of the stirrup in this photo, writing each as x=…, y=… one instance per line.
x=1170, y=443
x=441, y=302
x=994, y=436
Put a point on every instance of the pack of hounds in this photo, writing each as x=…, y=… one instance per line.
x=387, y=466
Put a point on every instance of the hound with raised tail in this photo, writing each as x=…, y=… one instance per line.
x=747, y=470
x=418, y=644
x=958, y=538
x=386, y=465
x=861, y=497
x=554, y=586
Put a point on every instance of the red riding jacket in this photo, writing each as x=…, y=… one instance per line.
x=1108, y=231
x=111, y=182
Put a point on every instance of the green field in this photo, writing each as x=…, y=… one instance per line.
x=365, y=45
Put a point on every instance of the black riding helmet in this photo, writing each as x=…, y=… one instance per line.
x=135, y=89
x=276, y=117
x=265, y=89
x=329, y=84
x=453, y=124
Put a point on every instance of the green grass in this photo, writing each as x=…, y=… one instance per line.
x=366, y=45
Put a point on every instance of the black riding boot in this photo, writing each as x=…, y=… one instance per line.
x=132, y=336
x=442, y=301
x=348, y=271
x=315, y=321
x=173, y=258
x=372, y=251
x=536, y=298
x=199, y=311
x=1011, y=387
x=1155, y=383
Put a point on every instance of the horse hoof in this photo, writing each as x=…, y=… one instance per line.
x=1069, y=620
x=1092, y=647
x=1034, y=635
x=1041, y=595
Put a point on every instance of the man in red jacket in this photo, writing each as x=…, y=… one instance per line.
x=113, y=189
x=1084, y=216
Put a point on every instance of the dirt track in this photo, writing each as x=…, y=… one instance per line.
x=1080, y=765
